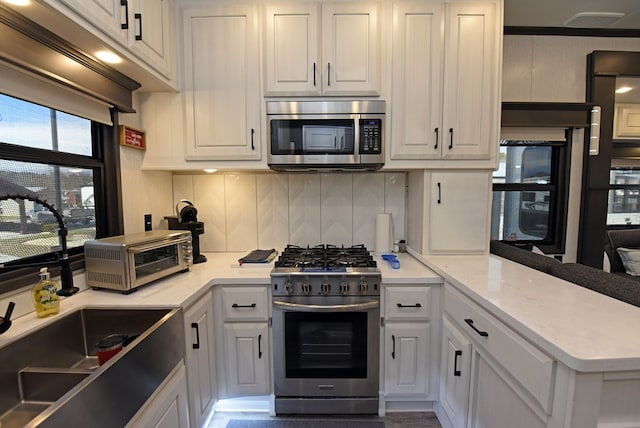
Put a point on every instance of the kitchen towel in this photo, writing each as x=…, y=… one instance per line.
x=384, y=233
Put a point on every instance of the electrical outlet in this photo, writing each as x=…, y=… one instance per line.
x=147, y=222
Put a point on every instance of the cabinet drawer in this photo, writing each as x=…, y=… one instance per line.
x=533, y=369
x=407, y=303
x=245, y=303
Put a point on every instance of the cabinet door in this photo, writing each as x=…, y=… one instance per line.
x=107, y=15
x=459, y=213
x=167, y=407
x=407, y=358
x=454, y=374
x=416, y=123
x=247, y=358
x=200, y=359
x=292, y=49
x=221, y=79
x=491, y=386
x=350, y=45
x=151, y=24
x=471, y=79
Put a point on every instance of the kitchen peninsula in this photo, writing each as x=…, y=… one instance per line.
x=555, y=354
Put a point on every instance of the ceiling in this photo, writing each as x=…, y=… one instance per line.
x=556, y=13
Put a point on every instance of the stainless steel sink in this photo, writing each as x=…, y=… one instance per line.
x=51, y=377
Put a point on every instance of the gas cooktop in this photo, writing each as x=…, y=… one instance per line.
x=325, y=258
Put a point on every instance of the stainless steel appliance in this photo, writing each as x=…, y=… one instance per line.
x=326, y=135
x=126, y=262
x=326, y=330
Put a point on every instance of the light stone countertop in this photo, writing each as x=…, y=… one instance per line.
x=586, y=330
x=183, y=289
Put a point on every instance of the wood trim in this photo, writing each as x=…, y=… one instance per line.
x=614, y=63
x=566, y=31
x=27, y=45
x=540, y=114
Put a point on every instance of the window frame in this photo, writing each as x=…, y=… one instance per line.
x=558, y=187
x=105, y=162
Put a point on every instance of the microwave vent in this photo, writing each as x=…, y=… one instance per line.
x=103, y=253
x=101, y=278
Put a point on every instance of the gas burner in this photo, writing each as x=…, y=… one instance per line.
x=325, y=257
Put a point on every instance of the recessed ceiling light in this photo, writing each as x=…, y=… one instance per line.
x=108, y=57
x=593, y=19
x=210, y=170
x=18, y=2
x=623, y=89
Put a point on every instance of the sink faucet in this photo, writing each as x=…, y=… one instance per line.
x=66, y=274
x=5, y=322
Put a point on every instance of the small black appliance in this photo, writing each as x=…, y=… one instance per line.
x=187, y=219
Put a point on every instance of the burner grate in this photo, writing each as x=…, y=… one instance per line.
x=325, y=257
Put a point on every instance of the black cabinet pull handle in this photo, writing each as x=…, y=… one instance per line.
x=450, y=138
x=253, y=131
x=259, y=346
x=328, y=74
x=469, y=321
x=314, y=74
x=393, y=347
x=456, y=372
x=437, y=131
x=236, y=305
x=197, y=344
x=439, y=193
x=138, y=17
x=417, y=305
x=125, y=3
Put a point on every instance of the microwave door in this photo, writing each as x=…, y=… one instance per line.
x=320, y=139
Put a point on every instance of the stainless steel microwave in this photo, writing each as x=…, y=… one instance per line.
x=126, y=262
x=325, y=135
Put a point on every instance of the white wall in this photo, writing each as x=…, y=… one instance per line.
x=242, y=212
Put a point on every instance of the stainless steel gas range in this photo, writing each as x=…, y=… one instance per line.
x=326, y=330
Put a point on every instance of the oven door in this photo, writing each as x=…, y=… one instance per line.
x=156, y=260
x=326, y=346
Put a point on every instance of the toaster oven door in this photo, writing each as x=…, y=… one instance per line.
x=154, y=261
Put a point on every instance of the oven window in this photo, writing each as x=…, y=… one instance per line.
x=312, y=136
x=326, y=345
x=152, y=261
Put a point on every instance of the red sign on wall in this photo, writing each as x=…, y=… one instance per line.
x=131, y=137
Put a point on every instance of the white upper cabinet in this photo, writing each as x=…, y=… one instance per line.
x=446, y=80
x=222, y=82
x=145, y=27
x=322, y=49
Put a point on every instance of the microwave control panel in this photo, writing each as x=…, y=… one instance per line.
x=370, y=136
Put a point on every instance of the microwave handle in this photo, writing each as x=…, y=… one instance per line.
x=153, y=245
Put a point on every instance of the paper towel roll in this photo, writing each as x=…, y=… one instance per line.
x=384, y=233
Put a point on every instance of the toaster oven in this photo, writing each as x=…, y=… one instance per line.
x=126, y=262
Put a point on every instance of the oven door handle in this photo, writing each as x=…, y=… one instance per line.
x=351, y=307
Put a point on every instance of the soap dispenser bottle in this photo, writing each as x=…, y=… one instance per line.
x=44, y=295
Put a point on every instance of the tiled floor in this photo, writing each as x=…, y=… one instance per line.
x=392, y=420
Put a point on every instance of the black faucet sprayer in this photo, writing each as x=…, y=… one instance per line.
x=5, y=322
x=66, y=274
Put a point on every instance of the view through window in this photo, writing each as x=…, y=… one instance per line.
x=45, y=155
x=624, y=197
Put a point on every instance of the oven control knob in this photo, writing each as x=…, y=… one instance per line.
x=306, y=288
x=364, y=287
x=288, y=287
x=325, y=288
x=344, y=288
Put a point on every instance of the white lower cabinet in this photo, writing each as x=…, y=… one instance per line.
x=411, y=322
x=200, y=359
x=168, y=406
x=490, y=376
x=242, y=334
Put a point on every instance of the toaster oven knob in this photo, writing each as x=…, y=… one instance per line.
x=325, y=288
x=306, y=288
x=364, y=287
x=344, y=288
x=288, y=287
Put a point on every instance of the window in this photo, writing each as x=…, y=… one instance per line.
x=624, y=197
x=46, y=155
x=529, y=191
